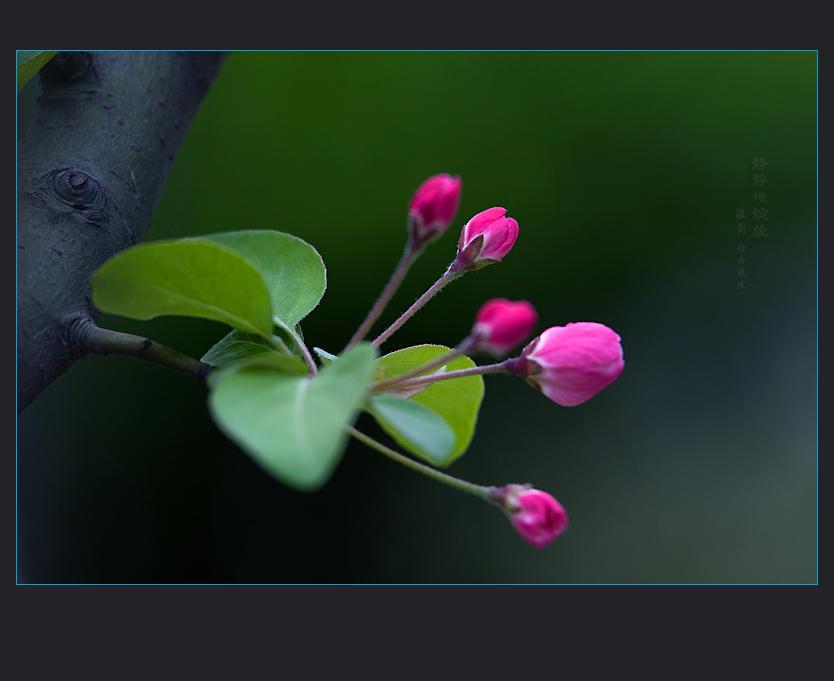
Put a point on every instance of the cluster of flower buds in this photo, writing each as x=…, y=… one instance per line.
x=568, y=364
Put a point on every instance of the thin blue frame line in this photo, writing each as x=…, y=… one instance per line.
x=818, y=319
x=16, y=496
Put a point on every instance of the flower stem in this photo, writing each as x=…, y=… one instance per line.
x=305, y=352
x=279, y=345
x=460, y=373
x=101, y=341
x=408, y=257
x=461, y=348
x=486, y=493
x=450, y=275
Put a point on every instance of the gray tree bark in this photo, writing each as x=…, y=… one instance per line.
x=91, y=169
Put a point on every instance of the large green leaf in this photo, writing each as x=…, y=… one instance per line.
x=293, y=426
x=185, y=277
x=456, y=400
x=29, y=62
x=292, y=269
x=417, y=428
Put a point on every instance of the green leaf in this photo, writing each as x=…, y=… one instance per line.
x=457, y=400
x=29, y=62
x=185, y=277
x=237, y=346
x=324, y=356
x=292, y=269
x=285, y=364
x=294, y=426
x=417, y=428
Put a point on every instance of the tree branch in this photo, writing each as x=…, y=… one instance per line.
x=91, y=170
x=96, y=340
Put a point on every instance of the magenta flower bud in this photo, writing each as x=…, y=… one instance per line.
x=536, y=515
x=433, y=207
x=486, y=238
x=571, y=364
x=502, y=324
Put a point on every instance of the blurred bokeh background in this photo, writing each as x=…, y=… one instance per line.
x=625, y=171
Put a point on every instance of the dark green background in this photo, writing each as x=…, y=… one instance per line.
x=624, y=171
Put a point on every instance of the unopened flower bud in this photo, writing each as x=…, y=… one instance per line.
x=571, y=364
x=536, y=515
x=502, y=324
x=433, y=207
x=486, y=238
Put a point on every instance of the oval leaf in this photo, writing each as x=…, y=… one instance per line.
x=292, y=269
x=324, y=356
x=185, y=277
x=293, y=426
x=237, y=346
x=417, y=428
x=457, y=400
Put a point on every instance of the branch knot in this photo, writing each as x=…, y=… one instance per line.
x=75, y=189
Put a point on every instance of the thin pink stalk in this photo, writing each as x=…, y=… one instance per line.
x=501, y=367
x=451, y=274
x=463, y=347
x=408, y=257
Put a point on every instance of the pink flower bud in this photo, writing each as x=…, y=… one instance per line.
x=433, y=207
x=571, y=364
x=486, y=238
x=502, y=324
x=536, y=515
